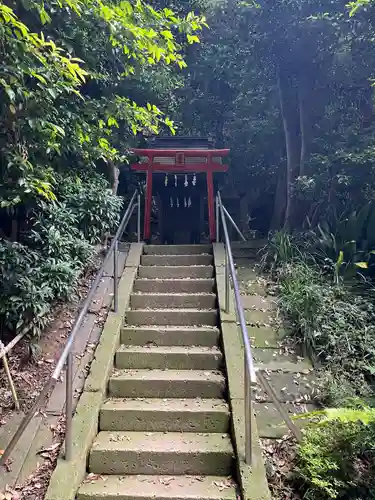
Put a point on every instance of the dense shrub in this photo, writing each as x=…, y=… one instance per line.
x=46, y=265
x=343, y=390
x=336, y=459
x=337, y=327
x=25, y=297
x=94, y=206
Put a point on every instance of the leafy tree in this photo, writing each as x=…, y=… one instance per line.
x=294, y=75
x=79, y=81
x=66, y=92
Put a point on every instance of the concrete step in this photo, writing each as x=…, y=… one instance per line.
x=271, y=424
x=168, y=358
x=161, y=453
x=161, y=272
x=246, y=255
x=177, y=260
x=279, y=360
x=158, y=488
x=167, y=384
x=177, y=249
x=256, y=317
x=172, y=317
x=297, y=387
x=256, y=244
x=174, y=285
x=172, y=300
x=163, y=415
x=170, y=335
x=265, y=337
x=259, y=302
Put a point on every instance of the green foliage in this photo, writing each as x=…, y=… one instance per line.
x=56, y=234
x=96, y=209
x=357, y=5
x=66, y=83
x=339, y=390
x=317, y=148
x=282, y=248
x=58, y=247
x=336, y=459
x=302, y=301
x=79, y=80
x=334, y=326
x=25, y=297
x=346, y=243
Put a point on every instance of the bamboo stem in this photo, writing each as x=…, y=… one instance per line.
x=10, y=380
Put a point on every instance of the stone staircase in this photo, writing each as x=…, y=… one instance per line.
x=164, y=431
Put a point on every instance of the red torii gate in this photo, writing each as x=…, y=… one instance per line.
x=173, y=161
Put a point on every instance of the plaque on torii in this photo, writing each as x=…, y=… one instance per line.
x=180, y=156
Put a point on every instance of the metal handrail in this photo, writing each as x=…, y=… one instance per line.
x=67, y=356
x=233, y=224
x=252, y=374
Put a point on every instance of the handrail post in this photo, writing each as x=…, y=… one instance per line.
x=251, y=374
x=69, y=407
x=139, y=217
x=248, y=416
x=217, y=220
x=227, y=281
x=233, y=224
x=115, y=274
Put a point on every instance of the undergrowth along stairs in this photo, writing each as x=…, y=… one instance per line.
x=164, y=430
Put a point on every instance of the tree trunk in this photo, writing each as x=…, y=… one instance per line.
x=292, y=132
x=243, y=223
x=305, y=126
x=279, y=203
x=113, y=176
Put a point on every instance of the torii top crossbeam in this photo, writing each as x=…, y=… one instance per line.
x=180, y=159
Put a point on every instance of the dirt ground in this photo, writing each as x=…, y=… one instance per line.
x=280, y=460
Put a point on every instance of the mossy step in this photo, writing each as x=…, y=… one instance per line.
x=162, y=415
x=170, y=335
x=172, y=317
x=161, y=272
x=256, y=243
x=265, y=336
x=144, y=487
x=173, y=300
x=173, y=453
x=176, y=249
x=171, y=285
x=289, y=387
x=258, y=302
x=252, y=287
x=167, y=384
x=177, y=260
x=247, y=273
x=277, y=359
x=258, y=317
x=271, y=424
x=168, y=357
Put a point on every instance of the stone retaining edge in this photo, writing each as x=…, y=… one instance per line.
x=68, y=476
x=252, y=479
